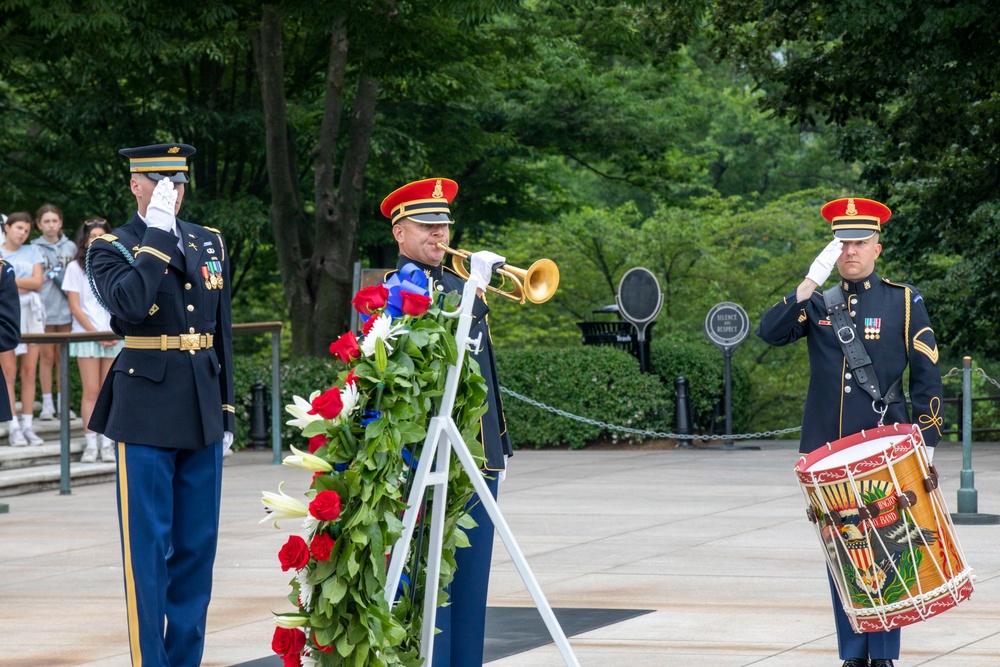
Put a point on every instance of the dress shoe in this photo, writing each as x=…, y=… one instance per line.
x=881, y=662
x=855, y=662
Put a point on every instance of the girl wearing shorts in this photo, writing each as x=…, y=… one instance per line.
x=93, y=357
x=27, y=262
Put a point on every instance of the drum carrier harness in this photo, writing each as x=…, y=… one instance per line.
x=858, y=361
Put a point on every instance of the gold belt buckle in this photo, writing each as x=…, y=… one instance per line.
x=190, y=342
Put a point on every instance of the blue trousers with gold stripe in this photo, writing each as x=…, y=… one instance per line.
x=462, y=624
x=851, y=644
x=168, y=514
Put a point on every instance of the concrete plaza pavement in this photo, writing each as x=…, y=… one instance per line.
x=714, y=543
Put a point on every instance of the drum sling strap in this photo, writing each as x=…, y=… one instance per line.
x=857, y=357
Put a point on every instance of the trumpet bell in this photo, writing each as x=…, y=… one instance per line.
x=538, y=282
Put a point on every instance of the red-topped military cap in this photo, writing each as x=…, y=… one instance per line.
x=423, y=201
x=854, y=219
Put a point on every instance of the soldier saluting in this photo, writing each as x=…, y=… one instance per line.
x=167, y=402
x=890, y=320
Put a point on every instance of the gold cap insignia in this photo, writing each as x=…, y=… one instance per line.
x=175, y=149
x=851, y=209
x=438, y=193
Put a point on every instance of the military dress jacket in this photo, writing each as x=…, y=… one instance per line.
x=891, y=321
x=492, y=425
x=166, y=398
x=10, y=327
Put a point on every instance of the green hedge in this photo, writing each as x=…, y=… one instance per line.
x=704, y=367
x=299, y=377
x=599, y=383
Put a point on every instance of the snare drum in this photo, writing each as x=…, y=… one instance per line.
x=885, y=530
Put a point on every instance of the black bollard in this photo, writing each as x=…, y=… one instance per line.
x=259, y=436
x=682, y=411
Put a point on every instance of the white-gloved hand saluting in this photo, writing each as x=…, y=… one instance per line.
x=823, y=265
x=160, y=211
x=482, y=265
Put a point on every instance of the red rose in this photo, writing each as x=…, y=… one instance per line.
x=292, y=660
x=351, y=378
x=346, y=347
x=317, y=441
x=321, y=546
x=294, y=555
x=320, y=647
x=370, y=298
x=288, y=641
x=325, y=506
x=415, y=304
x=367, y=326
x=328, y=404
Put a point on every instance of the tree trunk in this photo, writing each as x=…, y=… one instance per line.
x=317, y=261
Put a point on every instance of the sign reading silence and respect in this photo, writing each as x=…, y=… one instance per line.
x=727, y=325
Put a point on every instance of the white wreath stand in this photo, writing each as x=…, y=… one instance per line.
x=443, y=436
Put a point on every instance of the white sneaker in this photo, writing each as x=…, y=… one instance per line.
x=47, y=414
x=31, y=437
x=107, y=450
x=17, y=438
x=89, y=453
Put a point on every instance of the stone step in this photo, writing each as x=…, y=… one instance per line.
x=19, y=481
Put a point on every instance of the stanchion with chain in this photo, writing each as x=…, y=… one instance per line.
x=968, y=497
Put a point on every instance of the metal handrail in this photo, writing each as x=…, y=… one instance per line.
x=64, y=339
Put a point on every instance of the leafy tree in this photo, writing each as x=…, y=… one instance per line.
x=912, y=88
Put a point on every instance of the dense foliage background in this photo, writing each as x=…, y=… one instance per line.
x=697, y=139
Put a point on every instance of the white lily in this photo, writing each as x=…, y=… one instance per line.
x=382, y=330
x=306, y=461
x=300, y=410
x=282, y=506
x=289, y=621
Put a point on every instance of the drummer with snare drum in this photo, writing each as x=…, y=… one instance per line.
x=862, y=333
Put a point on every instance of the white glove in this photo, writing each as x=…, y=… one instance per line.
x=160, y=211
x=483, y=264
x=502, y=475
x=823, y=265
x=227, y=442
x=930, y=453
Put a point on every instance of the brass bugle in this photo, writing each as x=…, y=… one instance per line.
x=537, y=283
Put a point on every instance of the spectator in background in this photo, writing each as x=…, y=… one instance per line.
x=27, y=262
x=57, y=252
x=93, y=357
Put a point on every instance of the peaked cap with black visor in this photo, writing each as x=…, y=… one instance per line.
x=424, y=201
x=160, y=161
x=855, y=219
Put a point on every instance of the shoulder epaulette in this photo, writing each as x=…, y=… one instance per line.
x=107, y=237
x=894, y=284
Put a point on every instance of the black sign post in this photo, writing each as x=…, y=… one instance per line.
x=727, y=325
x=639, y=302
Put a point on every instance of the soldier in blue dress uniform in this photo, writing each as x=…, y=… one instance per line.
x=891, y=321
x=10, y=327
x=167, y=403
x=421, y=219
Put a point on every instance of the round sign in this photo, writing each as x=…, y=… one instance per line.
x=727, y=325
x=639, y=297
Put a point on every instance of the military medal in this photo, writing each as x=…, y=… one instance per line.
x=873, y=326
x=207, y=276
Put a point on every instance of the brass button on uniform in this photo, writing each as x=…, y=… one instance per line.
x=191, y=330
x=847, y=376
x=192, y=351
x=847, y=389
x=187, y=285
x=131, y=371
x=191, y=308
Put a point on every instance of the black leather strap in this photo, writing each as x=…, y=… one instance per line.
x=857, y=357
